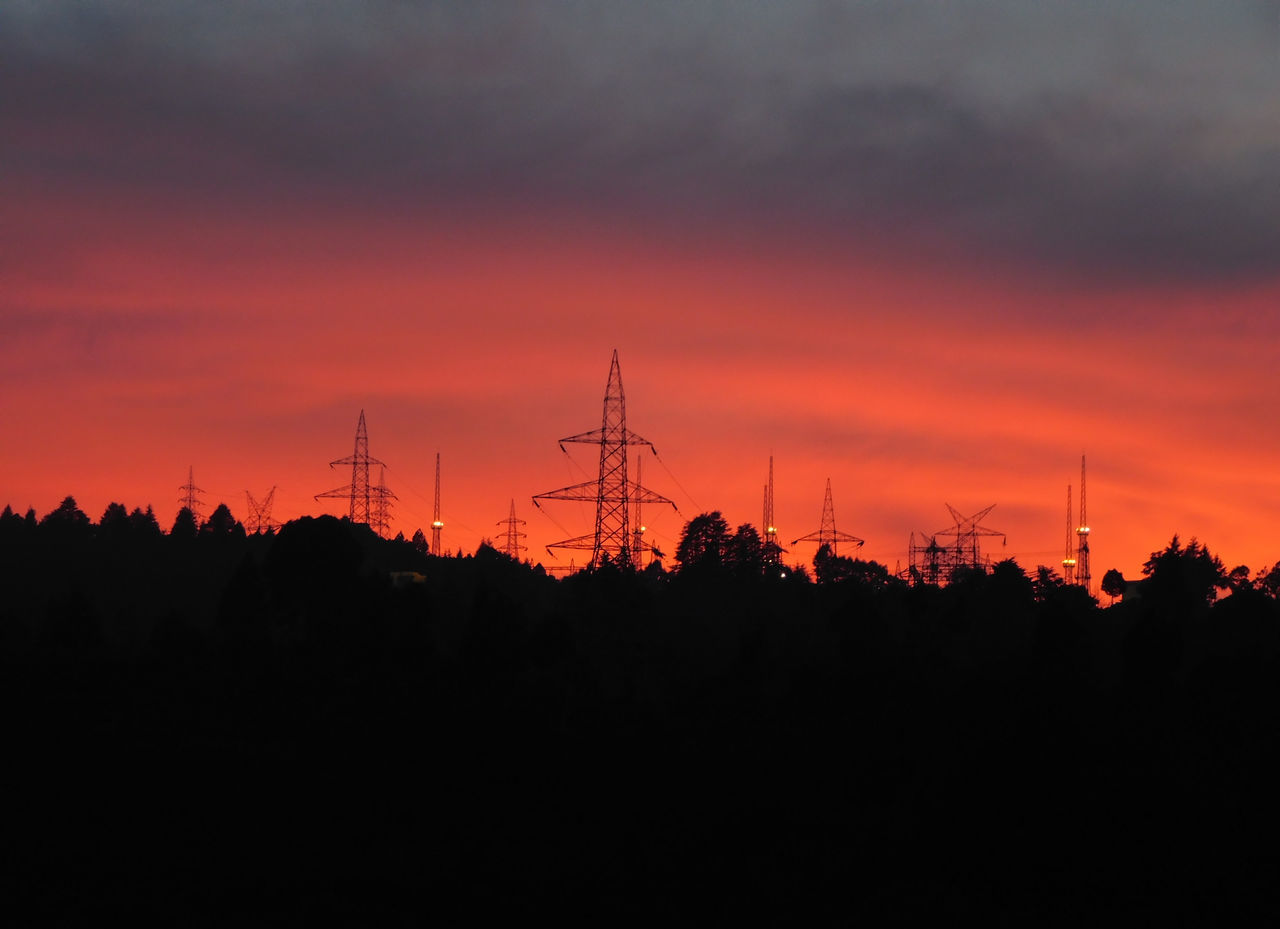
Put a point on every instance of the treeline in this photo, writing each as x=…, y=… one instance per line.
x=317, y=721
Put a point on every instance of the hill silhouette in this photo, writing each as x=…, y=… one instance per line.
x=227, y=728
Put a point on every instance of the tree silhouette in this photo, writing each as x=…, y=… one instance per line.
x=1185, y=575
x=704, y=543
x=184, y=525
x=65, y=522
x=1113, y=583
x=221, y=524
x=745, y=553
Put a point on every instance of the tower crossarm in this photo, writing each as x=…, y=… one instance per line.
x=828, y=536
x=357, y=460
x=610, y=437
x=588, y=491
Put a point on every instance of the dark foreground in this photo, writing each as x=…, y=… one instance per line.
x=296, y=745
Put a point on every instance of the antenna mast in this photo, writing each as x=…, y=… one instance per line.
x=1069, y=558
x=772, y=550
x=436, y=524
x=1083, y=577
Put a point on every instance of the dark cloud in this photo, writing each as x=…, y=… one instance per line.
x=1135, y=142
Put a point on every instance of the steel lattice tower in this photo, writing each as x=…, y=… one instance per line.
x=1083, y=578
x=934, y=563
x=612, y=493
x=1068, y=557
x=260, y=513
x=828, y=534
x=190, y=495
x=967, y=531
x=436, y=523
x=511, y=544
x=772, y=550
x=360, y=492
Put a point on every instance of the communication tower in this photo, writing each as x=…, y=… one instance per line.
x=611, y=492
x=827, y=534
x=511, y=544
x=1069, y=557
x=436, y=523
x=638, y=528
x=191, y=495
x=772, y=549
x=1083, y=577
x=359, y=492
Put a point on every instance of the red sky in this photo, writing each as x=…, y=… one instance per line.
x=182, y=287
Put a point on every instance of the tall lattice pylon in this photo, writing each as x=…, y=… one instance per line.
x=773, y=551
x=360, y=492
x=191, y=495
x=511, y=544
x=1083, y=577
x=260, y=520
x=827, y=534
x=612, y=493
x=436, y=523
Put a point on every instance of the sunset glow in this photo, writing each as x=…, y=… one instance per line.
x=219, y=274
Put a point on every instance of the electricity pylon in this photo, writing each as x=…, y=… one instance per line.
x=967, y=530
x=827, y=534
x=360, y=493
x=191, y=495
x=612, y=493
x=260, y=513
x=511, y=543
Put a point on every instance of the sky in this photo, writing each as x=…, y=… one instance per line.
x=932, y=251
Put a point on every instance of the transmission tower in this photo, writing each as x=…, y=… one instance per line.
x=612, y=493
x=436, y=523
x=1068, y=557
x=511, y=545
x=191, y=495
x=260, y=513
x=359, y=491
x=1083, y=578
x=381, y=497
x=772, y=550
x=828, y=534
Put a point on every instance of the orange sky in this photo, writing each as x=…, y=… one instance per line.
x=246, y=345
x=932, y=255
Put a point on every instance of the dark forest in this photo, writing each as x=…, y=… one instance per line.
x=230, y=729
